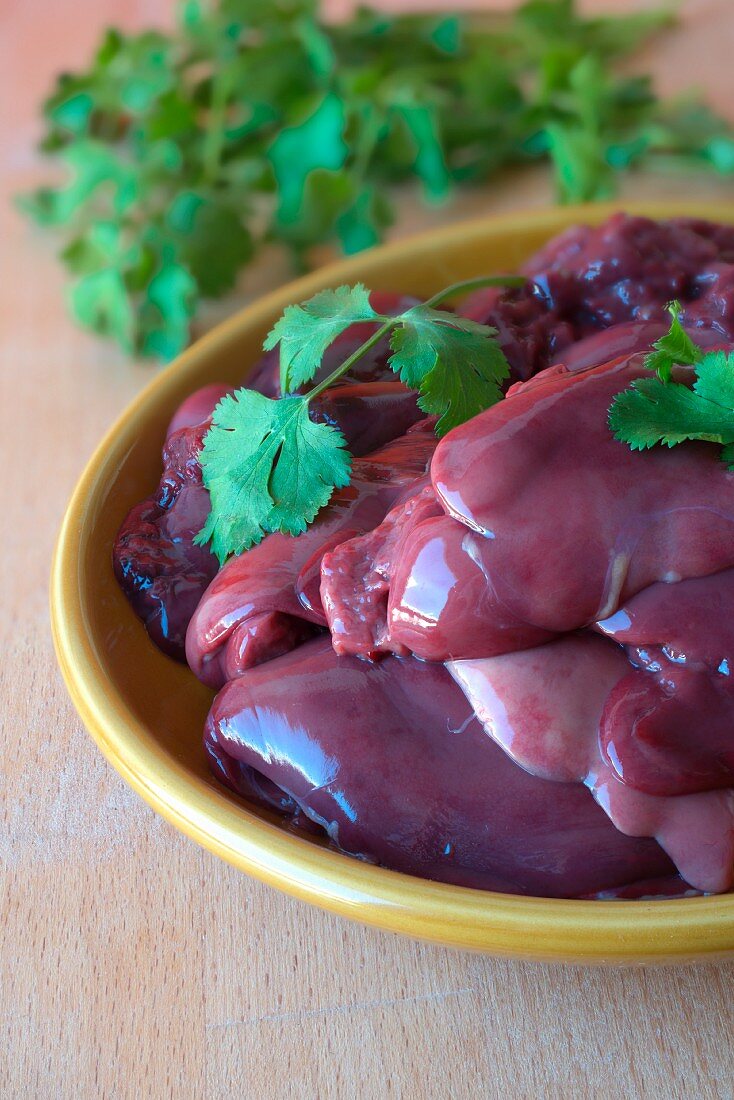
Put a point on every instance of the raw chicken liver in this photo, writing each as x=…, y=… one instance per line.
x=267, y=601
x=162, y=572
x=544, y=707
x=548, y=523
x=590, y=280
x=390, y=760
x=578, y=741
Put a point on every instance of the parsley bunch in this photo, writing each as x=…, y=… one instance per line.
x=657, y=410
x=269, y=467
x=254, y=121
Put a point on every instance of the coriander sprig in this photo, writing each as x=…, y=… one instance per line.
x=269, y=467
x=656, y=411
x=251, y=121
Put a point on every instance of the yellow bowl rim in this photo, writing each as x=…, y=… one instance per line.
x=500, y=924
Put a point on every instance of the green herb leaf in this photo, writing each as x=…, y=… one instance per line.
x=304, y=332
x=100, y=302
x=429, y=163
x=267, y=467
x=453, y=362
x=253, y=122
x=715, y=377
x=318, y=142
x=656, y=410
x=92, y=166
x=727, y=455
x=362, y=224
x=582, y=172
x=674, y=347
x=213, y=243
x=326, y=197
x=653, y=412
x=447, y=34
x=170, y=304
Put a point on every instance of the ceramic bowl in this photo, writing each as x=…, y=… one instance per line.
x=146, y=712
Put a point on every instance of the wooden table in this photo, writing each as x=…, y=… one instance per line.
x=133, y=963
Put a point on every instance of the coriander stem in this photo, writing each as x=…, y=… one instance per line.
x=388, y=323
x=467, y=285
x=214, y=138
x=464, y=287
x=366, y=146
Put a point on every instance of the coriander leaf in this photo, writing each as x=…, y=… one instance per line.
x=171, y=116
x=304, y=332
x=577, y=137
x=582, y=173
x=674, y=347
x=326, y=196
x=213, y=242
x=110, y=46
x=546, y=22
x=720, y=151
x=715, y=378
x=652, y=412
x=166, y=314
x=429, y=164
x=99, y=247
x=268, y=467
x=100, y=301
x=687, y=130
x=452, y=361
x=360, y=226
x=609, y=35
x=447, y=34
x=318, y=142
x=625, y=154
x=73, y=114
x=294, y=129
x=107, y=244
x=192, y=15
x=317, y=45
x=92, y=165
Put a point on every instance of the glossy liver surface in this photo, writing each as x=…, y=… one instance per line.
x=501, y=661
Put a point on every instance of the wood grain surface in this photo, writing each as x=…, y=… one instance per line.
x=134, y=964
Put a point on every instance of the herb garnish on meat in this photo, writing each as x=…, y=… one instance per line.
x=658, y=410
x=269, y=467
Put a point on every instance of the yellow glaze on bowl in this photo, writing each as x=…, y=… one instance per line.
x=146, y=712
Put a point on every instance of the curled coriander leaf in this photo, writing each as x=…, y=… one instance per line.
x=674, y=347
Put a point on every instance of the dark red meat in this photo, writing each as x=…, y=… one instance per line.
x=267, y=601
x=390, y=761
x=591, y=279
x=668, y=727
x=546, y=523
x=162, y=572
x=544, y=707
x=581, y=596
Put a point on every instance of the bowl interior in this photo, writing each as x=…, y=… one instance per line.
x=147, y=712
